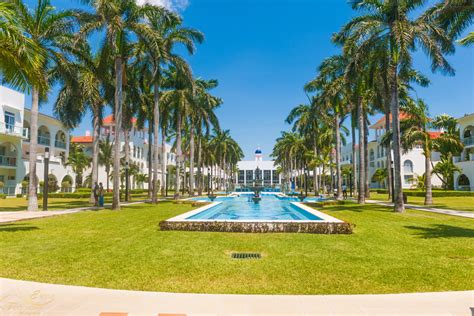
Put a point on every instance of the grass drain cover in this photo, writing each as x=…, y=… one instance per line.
x=246, y=255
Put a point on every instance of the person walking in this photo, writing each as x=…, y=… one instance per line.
x=96, y=194
x=101, y=195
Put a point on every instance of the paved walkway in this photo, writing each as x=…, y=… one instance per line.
x=31, y=298
x=7, y=217
x=428, y=209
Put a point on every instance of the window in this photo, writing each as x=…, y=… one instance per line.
x=371, y=155
x=249, y=175
x=241, y=176
x=267, y=176
x=276, y=179
x=9, y=121
x=408, y=179
x=408, y=166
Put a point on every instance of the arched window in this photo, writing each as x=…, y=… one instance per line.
x=60, y=140
x=44, y=137
x=408, y=166
x=463, y=181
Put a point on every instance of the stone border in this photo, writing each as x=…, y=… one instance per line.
x=327, y=224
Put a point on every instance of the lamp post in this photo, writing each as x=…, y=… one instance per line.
x=46, y=179
x=127, y=167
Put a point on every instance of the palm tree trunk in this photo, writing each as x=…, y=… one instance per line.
x=33, y=183
x=315, y=172
x=338, y=158
x=126, y=138
x=178, y=154
x=199, y=166
x=366, y=161
x=118, y=129
x=395, y=109
x=156, y=148
x=164, y=161
x=354, y=151
x=428, y=193
x=150, y=159
x=107, y=171
x=191, y=161
x=388, y=153
x=95, y=153
x=360, y=115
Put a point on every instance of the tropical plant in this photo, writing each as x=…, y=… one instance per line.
x=106, y=157
x=79, y=161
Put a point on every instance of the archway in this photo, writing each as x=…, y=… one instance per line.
x=66, y=183
x=60, y=140
x=44, y=137
x=463, y=182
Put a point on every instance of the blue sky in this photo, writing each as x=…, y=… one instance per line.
x=264, y=51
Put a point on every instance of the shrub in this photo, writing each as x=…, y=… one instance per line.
x=3, y=196
x=19, y=195
x=436, y=193
x=83, y=190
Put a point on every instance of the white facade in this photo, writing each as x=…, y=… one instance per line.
x=465, y=179
x=265, y=171
x=138, y=144
x=14, y=143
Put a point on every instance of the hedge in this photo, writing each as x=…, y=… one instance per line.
x=436, y=193
x=3, y=196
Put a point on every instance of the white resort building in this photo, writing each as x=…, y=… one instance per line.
x=412, y=162
x=138, y=144
x=258, y=170
x=465, y=179
x=14, y=145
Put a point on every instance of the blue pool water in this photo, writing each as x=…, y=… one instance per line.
x=240, y=208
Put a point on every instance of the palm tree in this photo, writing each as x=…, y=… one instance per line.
x=51, y=32
x=79, y=161
x=393, y=25
x=170, y=32
x=180, y=99
x=106, y=157
x=21, y=58
x=120, y=21
x=84, y=88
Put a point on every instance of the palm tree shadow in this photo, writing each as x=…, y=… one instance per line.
x=442, y=231
x=11, y=228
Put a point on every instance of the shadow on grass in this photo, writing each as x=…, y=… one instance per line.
x=442, y=231
x=11, y=228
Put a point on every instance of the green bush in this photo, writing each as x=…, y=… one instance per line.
x=19, y=195
x=83, y=190
x=436, y=193
x=3, y=196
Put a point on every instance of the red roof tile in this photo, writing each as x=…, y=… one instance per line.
x=402, y=116
x=82, y=139
x=110, y=119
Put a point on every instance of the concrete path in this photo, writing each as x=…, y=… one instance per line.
x=31, y=298
x=428, y=209
x=7, y=217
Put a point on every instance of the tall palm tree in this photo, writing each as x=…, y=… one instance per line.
x=170, y=32
x=85, y=87
x=120, y=21
x=51, y=31
x=106, y=157
x=79, y=161
x=179, y=98
x=395, y=26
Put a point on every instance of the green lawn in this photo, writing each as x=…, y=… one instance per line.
x=461, y=203
x=388, y=253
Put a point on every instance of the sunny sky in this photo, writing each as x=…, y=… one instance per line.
x=264, y=51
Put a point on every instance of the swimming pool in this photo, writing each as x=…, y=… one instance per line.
x=243, y=208
x=274, y=213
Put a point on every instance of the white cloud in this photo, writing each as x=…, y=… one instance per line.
x=174, y=5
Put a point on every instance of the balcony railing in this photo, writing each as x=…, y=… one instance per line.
x=43, y=140
x=8, y=161
x=60, y=144
x=468, y=141
x=10, y=129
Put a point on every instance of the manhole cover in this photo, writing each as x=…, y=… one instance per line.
x=246, y=255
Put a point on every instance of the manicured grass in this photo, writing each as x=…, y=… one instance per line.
x=461, y=203
x=20, y=204
x=388, y=253
x=54, y=204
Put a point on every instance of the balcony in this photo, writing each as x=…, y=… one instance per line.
x=468, y=141
x=60, y=144
x=44, y=140
x=8, y=161
x=9, y=129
